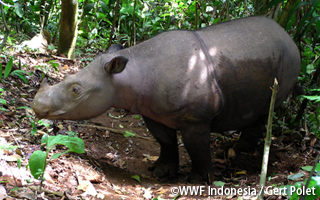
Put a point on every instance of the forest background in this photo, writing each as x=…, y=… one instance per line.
x=76, y=31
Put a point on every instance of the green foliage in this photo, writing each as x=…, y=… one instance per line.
x=72, y=134
x=309, y=18
x=137, y=21
x=37, y=163
x=8, y=71
x=2, y=101
x=34, y=128
x=18, y=9
x=20, y=74
x=311, y=190
x=315, y=98
x=40, y=123
x=305, y=28
x=8, y=147
x=295, y=176
x=219, y=183
x=313, y=118
x=38, y=160
x=128, y=134
x=43, y=123
x=54, y=65
x=151, y=17
x=136, y=177
x=296, y=190
x=309, y=168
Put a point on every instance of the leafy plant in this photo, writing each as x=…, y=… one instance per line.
x=72, y=134
x=128, y=134
x=54, y=65
x=43, y=123
x=136, y=177
x=8, y=71
x=8, y=147
x=38, y=160
x=34, y=126
x=313, y=118
x=295, y=191
x=309, y=189
x=2, y=101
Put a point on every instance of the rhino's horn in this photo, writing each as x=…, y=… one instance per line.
x=44, y=83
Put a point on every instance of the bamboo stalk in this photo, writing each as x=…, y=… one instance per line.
x=267, y=142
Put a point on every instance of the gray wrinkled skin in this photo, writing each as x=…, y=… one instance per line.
x=214, y=79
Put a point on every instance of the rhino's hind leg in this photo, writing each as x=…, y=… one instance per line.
x=166, y=167
x=250, y=136
x=196, y=140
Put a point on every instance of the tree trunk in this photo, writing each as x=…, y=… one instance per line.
x=7, y=31
x=46, y=6
x=115, y=15
x=283, y=18
x=133, y=29
x=275, y=11
x=68, y=29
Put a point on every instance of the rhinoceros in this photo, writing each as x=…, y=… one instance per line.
x=213, y=79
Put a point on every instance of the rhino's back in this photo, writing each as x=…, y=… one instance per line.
x=247, y=55
x=223, y=71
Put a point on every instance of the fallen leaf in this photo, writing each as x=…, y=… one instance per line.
x=231, y=153
x=161, y=191
x=3, y=192
x=241, y=173
x=60, y=126
x=65, y=67
x=217, y=160
x=11, y=158
x=100, y=196
x=147, y=193
x=136, y=177
x=153, y=158
x=83, y=185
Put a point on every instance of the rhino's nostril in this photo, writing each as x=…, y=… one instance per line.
x=40, y=109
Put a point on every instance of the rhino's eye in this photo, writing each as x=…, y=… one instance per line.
x=76, y=89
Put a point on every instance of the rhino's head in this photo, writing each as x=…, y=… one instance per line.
x=84, y=95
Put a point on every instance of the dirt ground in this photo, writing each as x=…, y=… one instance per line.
x=111, y=161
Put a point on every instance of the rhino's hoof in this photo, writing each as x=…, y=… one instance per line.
x=200, y=178
x=164, y=171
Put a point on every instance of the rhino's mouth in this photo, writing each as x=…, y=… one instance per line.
x=50, y=115
x=58, y=112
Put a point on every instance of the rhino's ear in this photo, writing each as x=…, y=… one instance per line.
x=116, y=65
x=44, y=84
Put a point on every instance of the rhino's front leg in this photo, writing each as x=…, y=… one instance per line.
x=166, y=167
